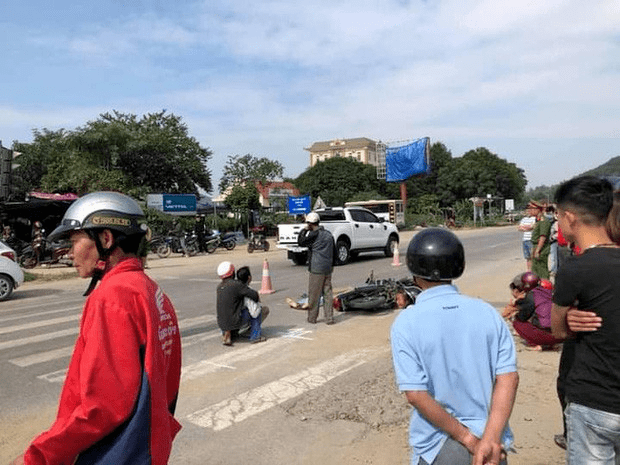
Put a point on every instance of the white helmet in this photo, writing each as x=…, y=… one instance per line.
x=102, y=210
x=225, y=270
x=313, y=217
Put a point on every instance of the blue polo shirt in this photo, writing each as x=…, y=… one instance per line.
x=452, y=346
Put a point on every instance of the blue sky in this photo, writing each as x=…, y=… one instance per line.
x=537, y=83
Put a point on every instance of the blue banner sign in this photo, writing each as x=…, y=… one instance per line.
x=298, y=205
x=179, y=203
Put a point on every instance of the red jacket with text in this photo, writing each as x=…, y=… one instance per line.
x=120, y=392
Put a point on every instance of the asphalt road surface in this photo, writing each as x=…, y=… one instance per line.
x=293, y=399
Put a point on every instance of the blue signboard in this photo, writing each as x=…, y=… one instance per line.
x=298, y=205
x=179, y=203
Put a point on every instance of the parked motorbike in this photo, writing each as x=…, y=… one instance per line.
x=163, y=246
x=257, y=240
x=376, y=295
x=43, y=252
x=212, y=242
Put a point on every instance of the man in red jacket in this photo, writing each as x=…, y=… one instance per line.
x=120, y=393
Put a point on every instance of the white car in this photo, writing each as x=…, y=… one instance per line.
x=11, y=275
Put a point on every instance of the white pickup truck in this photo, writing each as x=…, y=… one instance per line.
x=355, y=230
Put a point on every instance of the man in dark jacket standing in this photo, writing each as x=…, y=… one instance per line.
x=321, y=254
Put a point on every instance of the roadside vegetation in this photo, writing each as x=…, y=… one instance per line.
x=156, y=153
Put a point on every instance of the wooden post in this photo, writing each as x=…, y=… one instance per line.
x=403, y=197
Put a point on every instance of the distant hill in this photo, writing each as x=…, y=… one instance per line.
x=609, y=170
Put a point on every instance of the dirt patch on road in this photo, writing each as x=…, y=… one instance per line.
x=373, y=400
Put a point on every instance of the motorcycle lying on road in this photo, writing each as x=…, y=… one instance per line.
x=163, y=246
x=43, y=252
x=376, y=295
x=212, y=242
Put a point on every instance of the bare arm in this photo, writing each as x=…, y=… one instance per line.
x=489, y=448
x=430, y=409
x=559, y=327
x=539, y=246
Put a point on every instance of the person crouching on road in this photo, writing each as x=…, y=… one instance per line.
x=455, y=360
x=530, y=311
x=321, y=257
x=230, y=294
x=253, y=311
x=119, y=396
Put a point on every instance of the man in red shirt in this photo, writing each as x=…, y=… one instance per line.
x=120, y=393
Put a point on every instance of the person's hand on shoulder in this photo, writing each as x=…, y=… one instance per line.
x=583, y=321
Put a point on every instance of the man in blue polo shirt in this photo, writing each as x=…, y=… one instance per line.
x=455, y=360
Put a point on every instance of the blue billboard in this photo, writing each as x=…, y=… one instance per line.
x=299, y=205
x=179, y=203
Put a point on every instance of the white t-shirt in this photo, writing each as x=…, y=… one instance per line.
x=527, y=220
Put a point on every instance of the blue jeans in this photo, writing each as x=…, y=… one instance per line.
x=527, y=249
x=255, y=323
x=593, y=436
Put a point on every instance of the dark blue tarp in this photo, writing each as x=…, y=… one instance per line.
x=407, y=160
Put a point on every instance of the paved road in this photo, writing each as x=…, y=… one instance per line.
x=227, y=393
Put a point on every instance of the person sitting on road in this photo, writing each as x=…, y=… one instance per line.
x=253, y=311
x=229, y=302
x=530, y=310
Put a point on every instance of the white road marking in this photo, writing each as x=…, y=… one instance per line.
x=55, y=377
x=55, y=354
x=38, y=315
x=243, y=406
x=36, y=339
x=42, y=357
x=39, y=324
x=227, y=360
x=297, y=333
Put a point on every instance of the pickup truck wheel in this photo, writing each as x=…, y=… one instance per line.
x=342, y=253
x=300, y=258
x=392, y=243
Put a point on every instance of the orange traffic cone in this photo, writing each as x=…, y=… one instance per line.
x=266, y=287
x=396, y=261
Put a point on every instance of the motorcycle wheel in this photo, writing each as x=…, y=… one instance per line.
x=210, y=248
x=250, y=247
x=163, y=250
x=192, y=248
x=29, y=260
x=367, y=302
x=266, y=245
x=230, y=244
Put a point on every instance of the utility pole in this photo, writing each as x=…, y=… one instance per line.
x=7, y=164
x=6, y=161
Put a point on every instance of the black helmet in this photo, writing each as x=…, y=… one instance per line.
x=436, y=254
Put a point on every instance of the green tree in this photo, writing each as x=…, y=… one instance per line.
x=243, y=198
x=248, y=168
x=117, y=151
x=478, y=173
x=338, y=180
